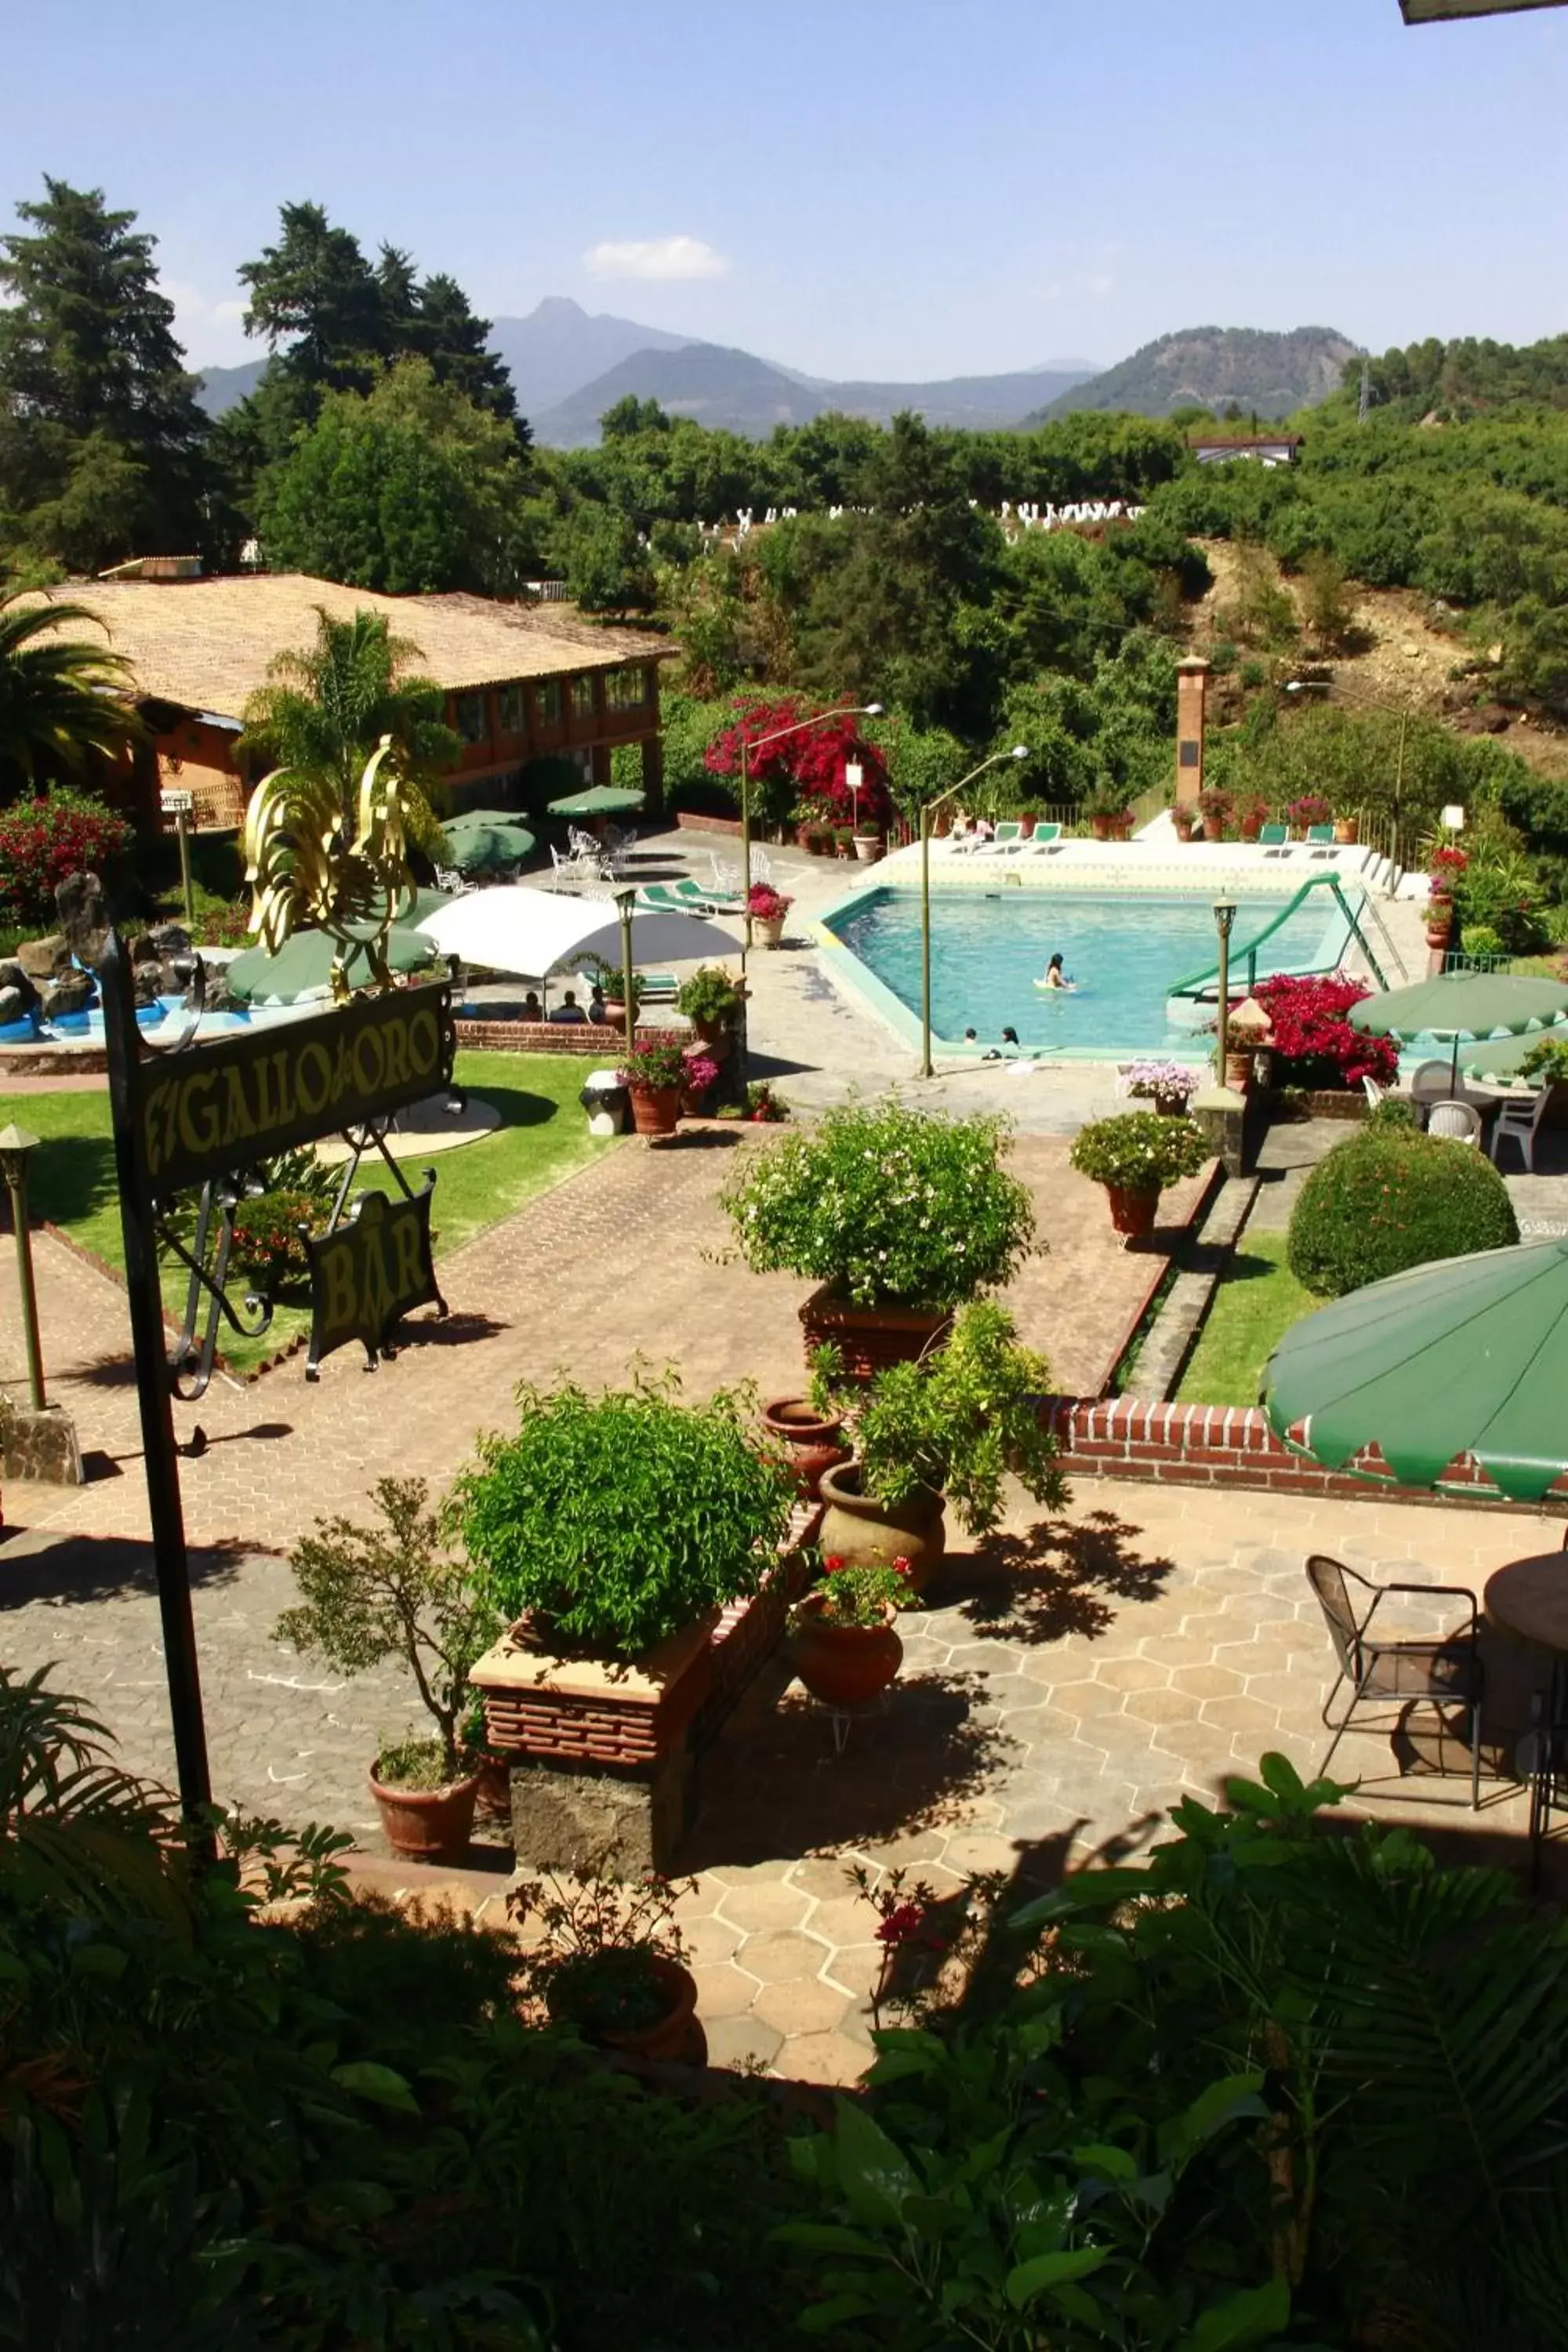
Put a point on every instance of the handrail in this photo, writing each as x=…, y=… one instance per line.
x=1195, y=981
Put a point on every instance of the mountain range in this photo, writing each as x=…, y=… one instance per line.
x=1212, y=367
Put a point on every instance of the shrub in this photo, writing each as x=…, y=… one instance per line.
x=268, y=1247
x=1139, y=1150
x=709, y=995
x=42, y=841
x=1547, y=1060
x=1383, y=1201
x=1480, y=939
x=887, y=1205
x=1314, y=1044
x=622, y=1518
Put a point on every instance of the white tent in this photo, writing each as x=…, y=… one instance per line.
x=532, y=932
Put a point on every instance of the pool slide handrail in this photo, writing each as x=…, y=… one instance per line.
x=1247, y=951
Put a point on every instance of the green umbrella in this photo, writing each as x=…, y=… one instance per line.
x=303, y=965
x=1499, y=1058
x=480, y=816
x=476, y=846
x=1467, y=1356
x=598, y=800
x=1456, y=1005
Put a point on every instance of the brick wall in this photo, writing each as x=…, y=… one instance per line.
x=1233, y=1445
x=585, y=1039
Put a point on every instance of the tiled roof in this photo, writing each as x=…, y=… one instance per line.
x=208, y=643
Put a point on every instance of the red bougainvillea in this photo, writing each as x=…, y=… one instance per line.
x=808, y=768
x=1314, y=1043
x=43, y=841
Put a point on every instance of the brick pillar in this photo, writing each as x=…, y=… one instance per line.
x=1192, y=689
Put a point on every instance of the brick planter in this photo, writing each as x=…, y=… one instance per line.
x=870, y=1338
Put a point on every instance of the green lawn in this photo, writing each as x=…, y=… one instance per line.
x=1253, y=1308
x=543, y=1136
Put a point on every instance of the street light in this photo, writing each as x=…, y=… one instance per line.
x=625, y=901
x=16, y=1147
x=1224, y=916
x=1019, y=751
x=1391, y=711
x=801, y=726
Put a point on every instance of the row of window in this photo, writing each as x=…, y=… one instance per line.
x=624, y=690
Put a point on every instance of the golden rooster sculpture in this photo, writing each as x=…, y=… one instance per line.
x=303, y=869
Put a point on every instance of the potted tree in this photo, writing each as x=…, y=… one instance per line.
x=395, y=1591
x=844, y=1638
x=607, y=1957
x=1135, y=1155
x=1105, y=807
x=653, y=1076
x=899, y=1216
x=942, y=1430
x=1250, y=811
x=767, y=907
x=1214, y=807
x=710, y=1000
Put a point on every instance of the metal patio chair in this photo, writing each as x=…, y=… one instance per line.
x=1406, y=1670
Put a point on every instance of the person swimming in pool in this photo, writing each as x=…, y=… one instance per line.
x=1054, y=977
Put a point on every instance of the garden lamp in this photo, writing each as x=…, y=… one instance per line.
x=854, y=777
x=625, y=901
x=1224, y=916
x=16, y=1148
x=1019, y=751
x=801, y=726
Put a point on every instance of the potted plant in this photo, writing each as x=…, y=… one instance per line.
x=1446, y=864
x=606, y=1956
x=899, y=1215
x=767, y=909
x=700, y=1073
x=867, y=848
x=844, y=1639
x=1440, y=913
x=1169, y=1085
x=1105, y=807
x=809, y=1436
x=941, y=1431
x=611, y=982
x=1135, y=1155
x=1250, y=813
x=1214, y=807
x=1347, y=830
x=1311, y=809
x=653, y=1076
x=843, y=841
x=394, y=1591
x=710, y=1000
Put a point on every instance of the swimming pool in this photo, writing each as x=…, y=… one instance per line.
x=1126, y=953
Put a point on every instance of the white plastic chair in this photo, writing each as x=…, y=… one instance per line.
x=1455, y=1122
x=1520, y=1120
x=1374, y=1093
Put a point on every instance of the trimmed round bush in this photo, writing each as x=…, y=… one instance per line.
x=1387, y=1200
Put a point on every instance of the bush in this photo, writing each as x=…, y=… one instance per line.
x=622, y=1518
x=1314, y=1044
x=1139, y=1150
x=1383, y=1201
x=43, y=841
x=269, y=1248
x=709, y=995
x=888, y=1205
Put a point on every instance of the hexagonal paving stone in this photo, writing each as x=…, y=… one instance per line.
x=709, y=1941
x=1133, y=1674
x=780, y=1957
x=723, y=1990
x=855, y=1966
x=1207, y=1681
x=732, y=2040
x=702, y=1901
x=1152, y=1707
x=805, y=2006
x=822, y=2058
x=843, y=1918
x=761, y=1908
x=824, y=1875
x=1243, y=1717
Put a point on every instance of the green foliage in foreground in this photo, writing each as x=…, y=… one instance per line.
x=1387, y=1200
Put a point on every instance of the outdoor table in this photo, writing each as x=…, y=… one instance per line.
x=1528, y=1600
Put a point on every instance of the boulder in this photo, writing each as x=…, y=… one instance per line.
x=72, y=993
x=147, y=982
x=14, y=1007
x=13, y=976
x=43, y=959
x=84, y=916
x=144, y=949
x=168, y=940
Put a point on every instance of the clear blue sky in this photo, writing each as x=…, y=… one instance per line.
x=857, y=187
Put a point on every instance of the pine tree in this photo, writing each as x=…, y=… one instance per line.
x=100, y=435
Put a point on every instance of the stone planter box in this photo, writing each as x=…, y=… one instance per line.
x=870, y=1338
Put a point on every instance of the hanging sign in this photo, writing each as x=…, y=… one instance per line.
x=369, y=1272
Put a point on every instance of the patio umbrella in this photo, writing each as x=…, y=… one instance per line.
x=598, y=800
x=1467, y=1356
x=1499, y=1058
x=303, y=965
x=532, y=932
x=476, y=845
x=1454, y=1006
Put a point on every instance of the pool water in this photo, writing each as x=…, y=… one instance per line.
x=1125, y=954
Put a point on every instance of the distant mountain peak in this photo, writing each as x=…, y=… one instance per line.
x=1258, y=368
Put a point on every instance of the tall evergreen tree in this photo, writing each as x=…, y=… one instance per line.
x=100, y=435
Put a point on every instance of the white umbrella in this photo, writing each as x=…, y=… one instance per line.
x=532, y=932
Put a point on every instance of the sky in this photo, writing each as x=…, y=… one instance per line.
x=858, y=188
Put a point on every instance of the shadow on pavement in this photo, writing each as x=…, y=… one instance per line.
x=68, y=1570
x=1060, y=1577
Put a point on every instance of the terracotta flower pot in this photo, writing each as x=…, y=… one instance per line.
x=870, y=1338
x=1121, y=826
x=1214, y=828
x=1347, y=830
x=654, y=1109
x=1101, y=827
x=869, y=1534
x=1239, y=1072
x=1132, y=1213
x=430, y=1824
x=1251, y=827
x=811, y=1444
x=670, y=2035
x=843, y=1666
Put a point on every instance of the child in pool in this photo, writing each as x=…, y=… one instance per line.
x=1054, y=976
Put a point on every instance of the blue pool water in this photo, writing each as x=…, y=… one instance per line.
x=1125, y=953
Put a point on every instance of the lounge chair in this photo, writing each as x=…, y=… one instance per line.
x=1400, y=1673
x=1274, y=840
x=1520, y=1120
x=1044, y=838
x=1321, y=840
x=692, y=894
x=658, y=898
x=1005, y=842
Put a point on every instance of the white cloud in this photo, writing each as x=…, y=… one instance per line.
x=656, y=257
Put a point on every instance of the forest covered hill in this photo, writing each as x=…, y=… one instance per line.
x=1255, y=371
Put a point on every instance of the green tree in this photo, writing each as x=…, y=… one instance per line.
x=318, y=303
x=606, y=566
x=62, y=699
x=101, y=437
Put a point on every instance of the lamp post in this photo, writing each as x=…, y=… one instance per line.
x=16, y=1147
x=1224, y=916
x=1400, y=711
x=854, y=777
x=801, y=726
x=625, y=901
x=1019, y=751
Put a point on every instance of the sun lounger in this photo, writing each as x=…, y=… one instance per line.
x=1045, y=841
x=1005, y=842
x=1274, y=840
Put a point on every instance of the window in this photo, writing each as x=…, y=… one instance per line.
x=626, y=689
x=511, y=717
x=582, y=698
x=468, y=718
x=547, y=701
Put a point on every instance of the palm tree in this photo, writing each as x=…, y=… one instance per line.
x=61, y=699
x=329, y=705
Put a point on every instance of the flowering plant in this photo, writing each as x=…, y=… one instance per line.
x=1211, y=802
x=805, y=769
x=921, y=1932
x=1161, y=1082
x=763, y=1108
x=1314, y=1044
x=768, y=905
x=859, y=1595
x=654, y=1066
x=268, y=1246
x=597, y=1937
x=1139, y=1152
x=702, y=1070
x=1311, y=809
x=1451, y=859
x=46, y=838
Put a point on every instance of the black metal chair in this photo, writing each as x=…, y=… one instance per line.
x=1445, y=1671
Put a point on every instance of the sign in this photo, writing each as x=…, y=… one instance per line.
x=210, y=1110
x=176, y=804
x=368, y=1273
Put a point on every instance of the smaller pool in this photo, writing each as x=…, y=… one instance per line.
x=1125, y=953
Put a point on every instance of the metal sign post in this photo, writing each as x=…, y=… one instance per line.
x=180, y=805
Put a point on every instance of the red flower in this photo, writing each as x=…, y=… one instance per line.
x=832, y=1562
x=902, y=1924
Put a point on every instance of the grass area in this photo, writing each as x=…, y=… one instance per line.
x=1253, y=1308
x=542, y=1137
